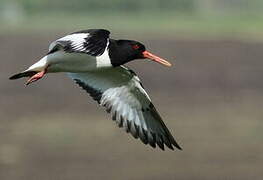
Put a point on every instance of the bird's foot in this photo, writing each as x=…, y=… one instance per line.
x=36, y=77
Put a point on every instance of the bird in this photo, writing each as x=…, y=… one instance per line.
x=96, y=63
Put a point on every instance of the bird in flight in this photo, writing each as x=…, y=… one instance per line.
x=96, y=63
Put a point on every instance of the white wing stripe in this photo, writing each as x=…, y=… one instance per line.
x=76, y=39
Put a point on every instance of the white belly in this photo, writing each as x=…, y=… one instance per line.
x=71, y=62
x=61, y=61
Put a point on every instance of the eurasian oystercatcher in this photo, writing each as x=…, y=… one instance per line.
x=95, y=62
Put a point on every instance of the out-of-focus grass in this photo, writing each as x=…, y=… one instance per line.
x=221, y=139
x=171, y=24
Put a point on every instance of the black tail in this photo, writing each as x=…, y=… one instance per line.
x=23, y=74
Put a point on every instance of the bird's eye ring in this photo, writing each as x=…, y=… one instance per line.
x=135, y=47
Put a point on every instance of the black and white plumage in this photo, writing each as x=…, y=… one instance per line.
x=120, y=91
x=91, y=42
x=95, y=63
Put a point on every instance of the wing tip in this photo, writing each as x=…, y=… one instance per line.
x=22, y=74
x=177, y=145
x=158, y=141
x=16, y=76
x=163, y=148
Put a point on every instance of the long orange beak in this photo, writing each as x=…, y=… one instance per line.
x=155, y=58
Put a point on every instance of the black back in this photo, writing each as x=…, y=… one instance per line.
x=94, y=44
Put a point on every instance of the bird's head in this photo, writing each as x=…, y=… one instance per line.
x=123, y=51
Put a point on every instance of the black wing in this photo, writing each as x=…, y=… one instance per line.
x=120, y=91
x=92, y=42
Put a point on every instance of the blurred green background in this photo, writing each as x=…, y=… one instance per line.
x=211, y=99
x=229, y=18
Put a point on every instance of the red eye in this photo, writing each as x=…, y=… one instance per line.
x=135, y=46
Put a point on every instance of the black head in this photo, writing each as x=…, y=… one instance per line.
x=123, y=51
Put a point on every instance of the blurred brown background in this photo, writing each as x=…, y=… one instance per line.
x=211, y=99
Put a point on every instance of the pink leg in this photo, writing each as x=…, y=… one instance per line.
x=36, y=77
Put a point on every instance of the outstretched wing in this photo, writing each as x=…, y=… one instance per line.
x=92, y=42
x=120, y=91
